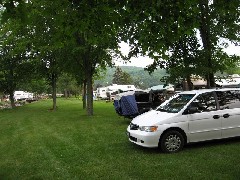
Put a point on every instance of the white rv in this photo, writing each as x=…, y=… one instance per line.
x=102, y=92
x=22, y=95
x=123, y=88
x=229, y=81
x=105, y=92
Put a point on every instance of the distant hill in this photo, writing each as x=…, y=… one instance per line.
x=141, y=78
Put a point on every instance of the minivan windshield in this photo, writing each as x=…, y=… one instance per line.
x=176, y=104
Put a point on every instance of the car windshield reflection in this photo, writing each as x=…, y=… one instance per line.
x=176, y=104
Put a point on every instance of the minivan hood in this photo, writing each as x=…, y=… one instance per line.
x=152, y=117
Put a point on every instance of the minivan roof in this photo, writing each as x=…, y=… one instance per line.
x=200, y=91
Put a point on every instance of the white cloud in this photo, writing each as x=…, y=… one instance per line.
x=232, y=49
x=138, y=62
x=142, y=61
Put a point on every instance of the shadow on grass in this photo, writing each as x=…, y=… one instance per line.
x=123, y=121
x=188, y=147
x=144, y=150
x=212, y=143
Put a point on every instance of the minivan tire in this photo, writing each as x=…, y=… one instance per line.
x=171, y=141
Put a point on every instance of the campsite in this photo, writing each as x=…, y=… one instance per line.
x=37, y=143
x=78, y=97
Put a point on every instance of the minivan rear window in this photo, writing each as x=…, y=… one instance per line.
x=228, y=99
x=176, y=104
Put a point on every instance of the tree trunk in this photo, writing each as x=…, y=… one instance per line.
x=189, y=83
x=65, y=93
x=54, y=91
x=212, y=80
x=88, y=75
x=89, y=96
x=11, y=98
x=11, y=87
x=206, y=35
x=84, y=94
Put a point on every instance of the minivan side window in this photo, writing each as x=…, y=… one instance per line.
x=228, y=99
x=204, y=103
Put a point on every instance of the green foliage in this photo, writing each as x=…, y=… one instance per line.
x=69, y=36
x=68, y=85
x=140, y=77
x=35, y=85
x=81, y=37
x=184, y=60
x=17, y=66
x=153, y=28
x=121, y=77
x=13, y=9
x=235, y=68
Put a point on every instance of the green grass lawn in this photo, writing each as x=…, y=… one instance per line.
x=36, y=143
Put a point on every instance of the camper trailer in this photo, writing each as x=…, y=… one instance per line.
x=231, y=81
x=102, y=93
x=109, y=91
x=22, y=95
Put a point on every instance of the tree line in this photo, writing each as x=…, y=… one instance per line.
x=135, y=75
x=42, y=39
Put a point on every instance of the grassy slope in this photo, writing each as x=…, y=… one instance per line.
x=36, y=143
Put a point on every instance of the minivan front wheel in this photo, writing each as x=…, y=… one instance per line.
x=172, y=141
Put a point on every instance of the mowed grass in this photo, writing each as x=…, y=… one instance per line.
x=36, y=143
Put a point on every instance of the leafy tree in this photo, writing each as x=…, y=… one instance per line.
x=68, y=85
x=127, y=79
x=233, y=70
x=117, y=76
x=155, y=26
x=184, y=60
x=16, y=66
x=36, y=85
x=219, y=21
x=72, y=36
x=77, y=37
x=92, y=26
x=47, y=39
x=121, y=77
x=13, y=9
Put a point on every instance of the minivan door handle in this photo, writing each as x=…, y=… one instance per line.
x=216, y=117
x=226, y=115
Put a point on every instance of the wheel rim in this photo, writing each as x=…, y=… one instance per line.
x=173, y=142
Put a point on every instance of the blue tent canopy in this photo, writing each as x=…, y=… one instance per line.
x=129, y=105
x=126, y=106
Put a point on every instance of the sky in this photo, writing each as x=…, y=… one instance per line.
x=140, y=61
x=144, y=61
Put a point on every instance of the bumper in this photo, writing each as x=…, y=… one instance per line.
x=145, y=139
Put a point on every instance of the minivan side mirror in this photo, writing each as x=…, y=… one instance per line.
x=191, y=110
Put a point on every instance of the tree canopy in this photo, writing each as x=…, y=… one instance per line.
x=82, y=37
x=155, y=27
x=16, y=66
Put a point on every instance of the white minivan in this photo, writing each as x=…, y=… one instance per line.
x=189, y=116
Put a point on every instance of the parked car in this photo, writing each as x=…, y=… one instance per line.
x=187, y=117
x=133, y=103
